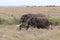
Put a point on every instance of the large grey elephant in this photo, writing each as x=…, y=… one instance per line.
x=34, y=20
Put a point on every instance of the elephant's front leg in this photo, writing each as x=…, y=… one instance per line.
x=20, y=26
x=27, y=26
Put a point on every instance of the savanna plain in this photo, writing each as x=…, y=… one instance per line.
x=9, y=21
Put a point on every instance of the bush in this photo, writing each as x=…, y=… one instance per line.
x=2, y=20
x=55, y=22
x=9, y=21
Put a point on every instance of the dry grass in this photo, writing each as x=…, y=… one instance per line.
x=17, y=11
x=9, y=32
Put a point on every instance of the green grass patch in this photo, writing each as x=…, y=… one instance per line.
x=55, y=21
x=2, y=20
x=14, y=20
x=9, y=21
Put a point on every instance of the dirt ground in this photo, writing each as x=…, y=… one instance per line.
x=9, y=32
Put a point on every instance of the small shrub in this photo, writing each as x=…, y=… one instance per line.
x=12, y=15
x=55, y=22
x=2, y=20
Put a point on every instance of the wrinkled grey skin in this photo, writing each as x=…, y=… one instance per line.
x=34, y=20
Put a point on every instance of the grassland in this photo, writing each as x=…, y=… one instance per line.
x=9, y=32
